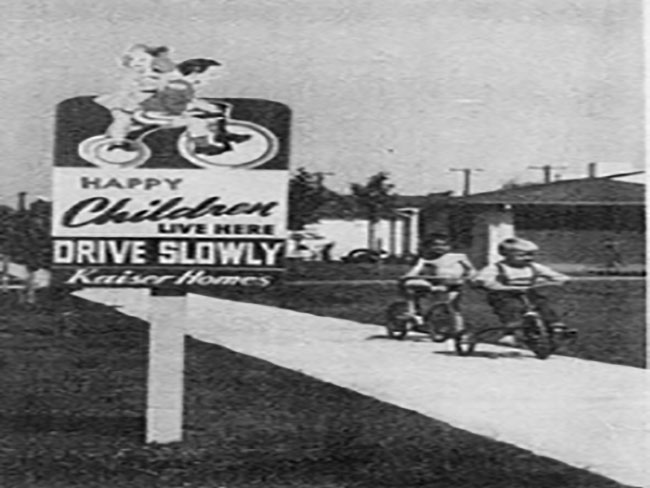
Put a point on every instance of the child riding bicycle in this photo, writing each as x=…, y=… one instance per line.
x=515, y=275
x=442, y=271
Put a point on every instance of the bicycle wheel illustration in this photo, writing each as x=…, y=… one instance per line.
x=107, y=152
x=246, y=145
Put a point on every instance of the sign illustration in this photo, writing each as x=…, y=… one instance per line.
x=157, y=94
x=155, y=186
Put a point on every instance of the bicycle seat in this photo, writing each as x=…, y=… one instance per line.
x=204, y=115
x=154, y=118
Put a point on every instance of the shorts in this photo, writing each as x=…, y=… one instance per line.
x=509, y=307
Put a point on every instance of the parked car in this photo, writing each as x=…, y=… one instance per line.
x=309, y=246
x=365, y=256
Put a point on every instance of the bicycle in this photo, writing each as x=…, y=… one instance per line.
x=245, y=145
x=537, y=335
x=440, y=321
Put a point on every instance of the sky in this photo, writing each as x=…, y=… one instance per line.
x=411, y=87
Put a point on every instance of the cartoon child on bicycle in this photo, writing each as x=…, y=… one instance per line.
x=155, y=90
x=515, y=275
x=437, y=270
x=147, y=69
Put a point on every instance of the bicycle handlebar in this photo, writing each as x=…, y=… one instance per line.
x=522, y=290
x=434, y=280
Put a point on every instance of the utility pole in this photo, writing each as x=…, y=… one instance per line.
x=592, y=170
x=547, y=168
x=467, y=178
x=22, y=200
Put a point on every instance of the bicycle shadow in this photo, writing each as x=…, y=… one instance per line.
x=489, y=354
x=408, y=338
x=512, y=354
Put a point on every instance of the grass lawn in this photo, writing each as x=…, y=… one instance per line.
x=72, y=406
x=336, y=270
x=609, y=314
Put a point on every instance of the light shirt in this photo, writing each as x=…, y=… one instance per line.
x=454, y=266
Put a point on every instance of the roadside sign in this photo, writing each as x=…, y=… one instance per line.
x=155, y=187
x=157, y=211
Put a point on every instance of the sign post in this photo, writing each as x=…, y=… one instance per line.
x=173, y=193
x=167, y=315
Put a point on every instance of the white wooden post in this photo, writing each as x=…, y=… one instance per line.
x=167, y=315
x=490, y=228
x=414, y=222
x=500, y=226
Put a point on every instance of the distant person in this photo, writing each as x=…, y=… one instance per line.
x=441, y=271
x=518, y=273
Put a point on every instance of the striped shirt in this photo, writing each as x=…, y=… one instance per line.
x=500, y=274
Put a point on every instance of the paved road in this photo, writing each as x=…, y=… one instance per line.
x=587, y=414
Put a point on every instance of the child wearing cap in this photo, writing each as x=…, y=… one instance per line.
x=436, y=261
x=518, y=272
x=147, y=69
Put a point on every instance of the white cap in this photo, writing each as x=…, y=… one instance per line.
x=517, y=244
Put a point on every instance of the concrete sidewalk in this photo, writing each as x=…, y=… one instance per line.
x=587, y=414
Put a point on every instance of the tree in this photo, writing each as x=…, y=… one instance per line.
x=28, y=241
x=307, y=193
x=6, y=214
x=376, y=201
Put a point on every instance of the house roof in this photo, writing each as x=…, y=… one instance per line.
x=345, y=207
x=630, y=177
x=584, y=191
x=420, y=201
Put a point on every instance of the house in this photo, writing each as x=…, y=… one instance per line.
x=578, y=222
x=342, y=222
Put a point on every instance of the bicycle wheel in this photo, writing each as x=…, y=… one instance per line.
x=439, y=322
x=537, y=336
x=464, y=342
x=397, y=320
